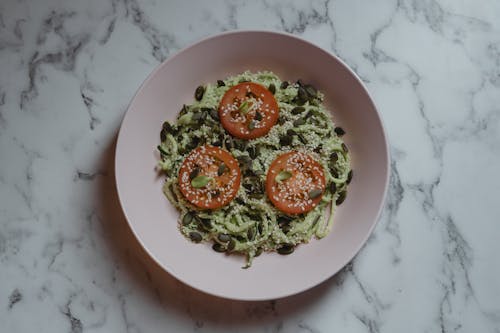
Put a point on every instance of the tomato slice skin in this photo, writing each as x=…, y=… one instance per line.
x=248, y=110
x=305, y=177
x=222, y=187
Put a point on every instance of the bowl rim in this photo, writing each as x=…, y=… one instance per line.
x=205, y=39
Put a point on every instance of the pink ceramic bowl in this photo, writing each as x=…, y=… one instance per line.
x=153, y=219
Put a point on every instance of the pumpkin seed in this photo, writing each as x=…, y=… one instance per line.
x=240, y=144
x=311, y=91
x=334, y=172
x=203, y=117
x=344, y=148
x=195, y=236
x=198, y=94
x=218, y=247
x=298, y=109
x=272, y=88
x=302, y=95
x=252, y=152
x=286, y=228
x=291, y=132
x=184, y=110
x=221, y=170
x=220, y=83
x=168, y=128
x=300, y=83
x=339, y=130
x=251, y=234
x=200, y=181
x=244, y=159
x=302, y=138
x=214, y=114
x=224, y=238
x=258, y=116
x=315, y=193
x=194, y=173
x=286, y=140
x=284, y=85
x=299, y=122
x=258, y=252
x=187, y=218
x=286, y=249
x=349, y=177
x=341, y=198
x=217, y=144
x=231, y=245
x=299, y=101
x=281, y=120
x=194, y=143
x=333, y=157
x=283, y=223
x=284, y=219
x=283, y=175
x=163, y=136
x=206, y=223
x=333, y=187
x=260, y=228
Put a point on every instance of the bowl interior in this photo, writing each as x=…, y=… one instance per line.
x=154, y=220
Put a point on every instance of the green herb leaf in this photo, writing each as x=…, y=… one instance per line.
x=315, y=193
x=200, y=181
x=283, y=175
x=244, y=107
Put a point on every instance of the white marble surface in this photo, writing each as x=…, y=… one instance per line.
x=68, y=262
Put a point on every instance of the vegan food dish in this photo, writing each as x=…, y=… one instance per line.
x=253, y=164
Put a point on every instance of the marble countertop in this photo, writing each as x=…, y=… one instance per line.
x=69, y=263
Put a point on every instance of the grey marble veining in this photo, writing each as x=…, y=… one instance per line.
x=69, y=263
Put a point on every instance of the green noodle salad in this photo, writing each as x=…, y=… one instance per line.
x=250, y=224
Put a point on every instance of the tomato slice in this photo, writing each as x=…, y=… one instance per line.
x=248, y=110
x=295, y=182
x=209, y=177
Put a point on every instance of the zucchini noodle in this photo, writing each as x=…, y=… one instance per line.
x=251, y=220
